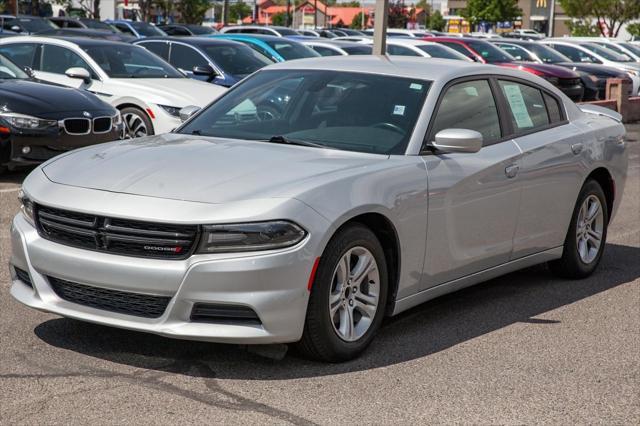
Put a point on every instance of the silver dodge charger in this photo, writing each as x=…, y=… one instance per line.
x=317, y=197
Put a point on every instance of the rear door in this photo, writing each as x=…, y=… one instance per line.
x=473, y=197
x=550, y=175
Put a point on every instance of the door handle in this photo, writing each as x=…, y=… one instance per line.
x=576, y=148
x=512, y=170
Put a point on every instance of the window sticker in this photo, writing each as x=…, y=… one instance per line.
x=518, y=107
x=471, y=91
x=398, y=110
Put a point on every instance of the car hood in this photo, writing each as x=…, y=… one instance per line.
x=208, y=170
x=547, y=69
x=47, y=100
x=177, y=92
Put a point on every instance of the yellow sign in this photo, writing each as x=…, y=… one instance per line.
x=541, y=3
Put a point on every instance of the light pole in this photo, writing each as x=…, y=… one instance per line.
x=380, y=28
x=552, y=17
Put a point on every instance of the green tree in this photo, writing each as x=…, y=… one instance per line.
x=613, y=13
x=580, y=28
x=491, y=11
x=357, y=21
x=634, y=29
x=192, y=11
x=279, y=19
x=437, y=22
x=238, y=11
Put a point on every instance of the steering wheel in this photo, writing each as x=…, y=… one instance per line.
x=389, y=126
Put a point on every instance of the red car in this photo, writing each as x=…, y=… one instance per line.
x=481, y=51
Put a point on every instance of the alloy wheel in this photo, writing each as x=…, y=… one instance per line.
x=589, y=229
x=354, y=294
x=135, y=126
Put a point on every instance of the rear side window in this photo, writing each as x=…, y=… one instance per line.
x=20, y=53
x=159, y=48
x=553, y=108
x=469, y=105
x=526, y=106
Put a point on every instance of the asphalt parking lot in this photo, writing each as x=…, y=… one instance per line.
x=523, y=348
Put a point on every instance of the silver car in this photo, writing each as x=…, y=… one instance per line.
x=319, y=196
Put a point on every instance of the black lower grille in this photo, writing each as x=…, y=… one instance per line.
x=123, y=302
x=568, y=82
x=101, y=125
x=118, y=236
x=23, y=276
x=224, y=314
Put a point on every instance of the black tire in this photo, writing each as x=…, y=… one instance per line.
x=142, y=117
x=320, y=340
x=570, y=265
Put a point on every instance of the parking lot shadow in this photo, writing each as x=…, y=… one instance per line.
x=419, y=332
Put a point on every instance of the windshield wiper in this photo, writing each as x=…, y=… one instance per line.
x=287, y=141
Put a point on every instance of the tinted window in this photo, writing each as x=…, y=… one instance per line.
x=291, y=50
x=200, y=29
x=469, y=105
x=10, y=71
x=517, y=52
x=342, y=110
x=97, y=25
x=576, y=55
x=126, y=61
x=260, y=49
x=553, y=108
x=358, y=50
x=124, y=28
x=20, y=53
x=606, y=53
x=58, y=60
x=147, y=29
x=489, y=52
x=436, y=51
x=393, y=49
x=185, y=57
x=239, y=61
x=459, y=48
x=176, y=31
x=325, y=51
x=160, y=48
x=526, y=106
x=547, y=54
x=32, y=25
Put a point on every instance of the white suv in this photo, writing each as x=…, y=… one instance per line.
x=148, y=91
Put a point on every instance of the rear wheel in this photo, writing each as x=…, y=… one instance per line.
x=348, y=297
x=136, y=123
x=585, y=241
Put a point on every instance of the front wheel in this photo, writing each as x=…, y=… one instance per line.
x=348, y=297
x=585, y=241
x=136, y=123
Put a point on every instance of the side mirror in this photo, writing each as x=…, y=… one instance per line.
x=80, y=73
x=29, y=72
x=205, y=70
x=458, y=140
x=187, y=112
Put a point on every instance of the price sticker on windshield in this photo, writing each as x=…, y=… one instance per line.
x=398, y=110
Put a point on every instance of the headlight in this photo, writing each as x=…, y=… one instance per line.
x=250, y=236
x=22, y=121
x=171, y=110
x=27, y=207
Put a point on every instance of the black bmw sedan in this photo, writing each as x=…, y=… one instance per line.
x=39, y=121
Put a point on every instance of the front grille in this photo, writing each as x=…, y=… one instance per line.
x=77, y=126
x=23, y=276
x=117, y=236
x=102, y=125
x=224, y=314
x=568, y=82
x=123, y=302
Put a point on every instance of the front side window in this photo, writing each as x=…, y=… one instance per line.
x=160, y=48
x=57, y=60
x=547, y=54
x=469, y=105
x=526, y=106
x=460, y=49
x=517, y=52
x=21, y=54
x=575, y=54
x=126, y=61
x=185, y=57
x=341, y=110
x=239, y=61
x=125, y=29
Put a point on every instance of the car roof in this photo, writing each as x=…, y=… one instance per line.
x=335, y=43
x=196, y=41
x=70, y=40
x=263, y=37
x=409, y=41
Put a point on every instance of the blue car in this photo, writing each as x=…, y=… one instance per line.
x=278, y=49
x=136, y=28
x=223, y=62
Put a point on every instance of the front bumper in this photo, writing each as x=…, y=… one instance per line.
x=575, y=92
x=46, y=145
x=273, y=285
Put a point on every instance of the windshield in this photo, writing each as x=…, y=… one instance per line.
x=10, y=71
x=357, y=50
x=291, y=50
x=200, y=30
x=285, y=31
x=635, y=49
x=547, y=54
x=239, y=61
x=341, y=110
x=606, y=53
x=125, y=61
x=32, y=25
x=147, y=29
x=97, y=25
x=489, y=52
x=436, y=51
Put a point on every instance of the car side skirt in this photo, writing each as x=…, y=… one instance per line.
x=469, y=280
